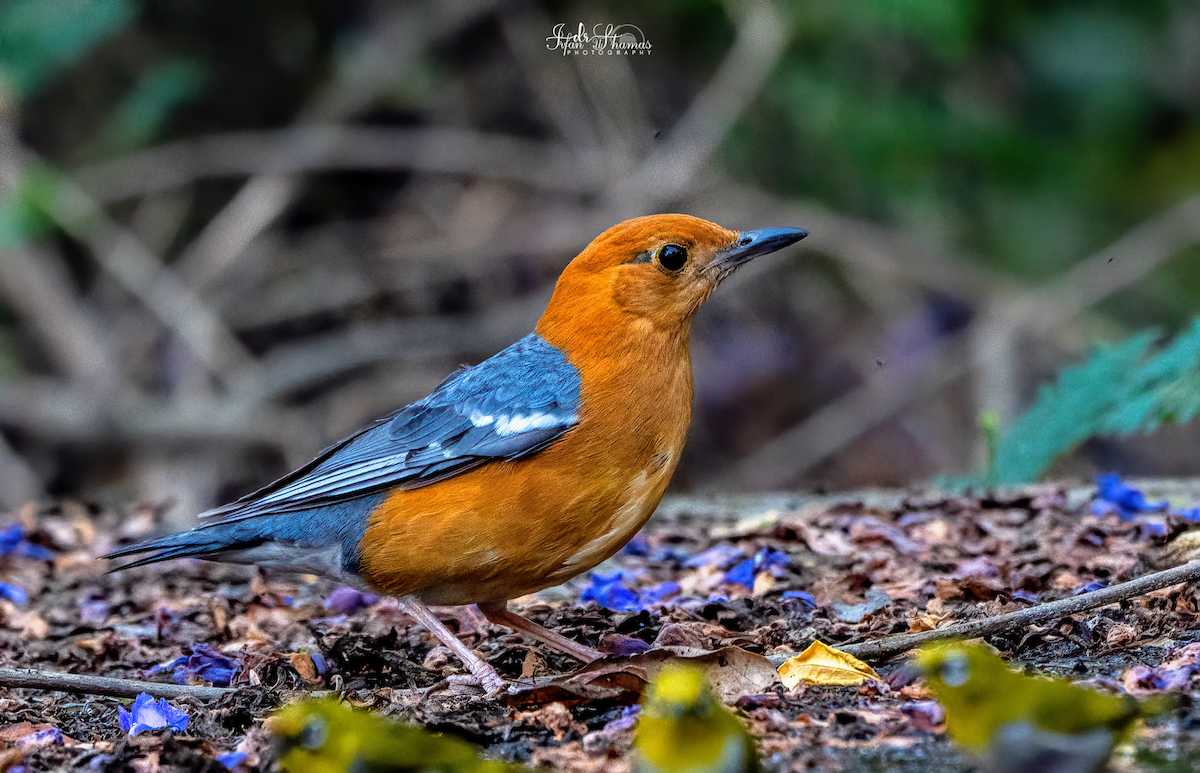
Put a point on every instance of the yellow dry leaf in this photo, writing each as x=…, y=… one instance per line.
x=822, y=665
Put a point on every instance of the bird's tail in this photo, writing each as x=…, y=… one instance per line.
x=214, y=542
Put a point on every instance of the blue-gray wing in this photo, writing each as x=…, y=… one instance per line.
x=509, y=406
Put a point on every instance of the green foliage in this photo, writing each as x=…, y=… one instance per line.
x=140, y=116
x=1120, y=390
x=1029, y=134
x=24, y=213
x=39, y=36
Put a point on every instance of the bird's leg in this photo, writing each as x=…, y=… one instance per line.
x=500, y=614
x=489, y=680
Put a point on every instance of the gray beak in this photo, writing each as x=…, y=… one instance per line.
x=751, y=244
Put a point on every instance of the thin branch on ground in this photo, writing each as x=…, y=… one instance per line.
x=85, y=684
x=887, y=647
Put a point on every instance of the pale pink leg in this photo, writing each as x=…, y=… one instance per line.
x=500, y=614
x=489, y=680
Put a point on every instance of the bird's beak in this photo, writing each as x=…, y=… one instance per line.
x=751, y=244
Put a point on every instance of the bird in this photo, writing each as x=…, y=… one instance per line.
x=1018, y=722
x=325, y=736
x=683, y=728
x=515, y=474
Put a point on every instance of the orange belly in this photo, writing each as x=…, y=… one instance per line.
x=511, y=528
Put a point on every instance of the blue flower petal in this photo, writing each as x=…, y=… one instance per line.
x=636, y=547
x=148, y=714
x=13, y=593
x=1127, y=500
x=610, y=593
x=765, y=559
x=13, y=542
x=232, y=759
x=807, y=598
x=204, y=662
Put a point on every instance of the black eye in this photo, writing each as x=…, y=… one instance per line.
x=314, y=733
x=672, y=257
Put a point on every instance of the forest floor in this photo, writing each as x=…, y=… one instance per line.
x=764, y=575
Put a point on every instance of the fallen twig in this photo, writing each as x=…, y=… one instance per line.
x=886, y=647
x=87, y=684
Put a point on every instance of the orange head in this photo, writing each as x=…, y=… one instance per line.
x=656, y=271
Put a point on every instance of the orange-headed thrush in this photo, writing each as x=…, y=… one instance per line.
x=515, y=474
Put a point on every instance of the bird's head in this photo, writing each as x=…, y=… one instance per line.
x=679, y=691
x=961, y=673
x=313, y=730
x=659, y=269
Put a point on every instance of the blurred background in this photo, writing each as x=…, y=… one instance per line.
x=233, y=231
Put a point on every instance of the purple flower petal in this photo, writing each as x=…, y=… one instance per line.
x=232, y=759
x=807, y=598
x=319, y=661
x=204, y=662
x=347, y=600
x=627, y=720
x=1089, y=587
x=50, y=736
x=718, y=555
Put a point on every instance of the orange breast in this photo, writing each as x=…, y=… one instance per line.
x=511, y=528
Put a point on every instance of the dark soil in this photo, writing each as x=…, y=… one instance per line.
x=938, y=560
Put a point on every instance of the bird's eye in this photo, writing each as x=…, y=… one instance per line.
x=955, y=671
x=672, y=257
x=314, y=733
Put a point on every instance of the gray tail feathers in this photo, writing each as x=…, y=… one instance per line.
x=203, y=542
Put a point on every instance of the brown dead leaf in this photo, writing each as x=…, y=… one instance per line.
x=731, y=671
x=926, y=622
x=304, y=665
x=533, y=665
x=554, y=717
x=825, y=666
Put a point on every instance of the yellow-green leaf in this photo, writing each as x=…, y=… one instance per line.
x=825, y=666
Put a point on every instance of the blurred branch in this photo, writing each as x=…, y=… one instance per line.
x=1022, y=619
x=144, y=276
x=61, y=413
x=20, y=482
x=332, y=148
x=293, y=367
x=557, y=94
x=669, y=170
x=387, y=51
x=38, y=290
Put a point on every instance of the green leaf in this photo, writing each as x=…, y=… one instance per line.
x=1120, y=390
x=37, y=37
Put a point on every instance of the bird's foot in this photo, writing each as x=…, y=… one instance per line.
x=500, y=614
x=482, y=674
